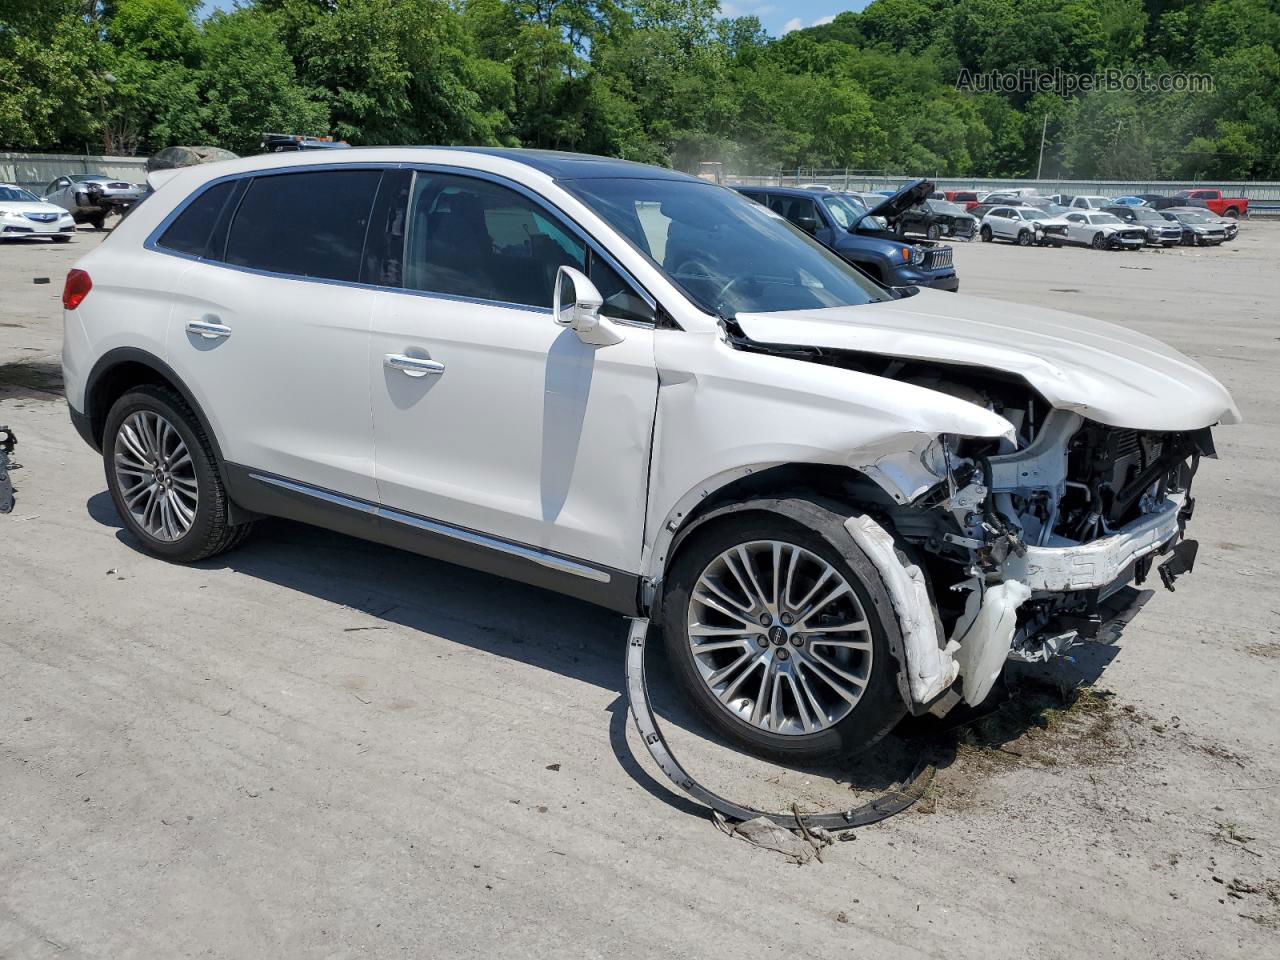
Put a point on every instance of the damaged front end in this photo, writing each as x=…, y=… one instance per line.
x=1029, y=545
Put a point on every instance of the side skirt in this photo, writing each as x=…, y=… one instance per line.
x=272, y=495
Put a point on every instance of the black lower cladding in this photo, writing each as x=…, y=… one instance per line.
x=359, y=519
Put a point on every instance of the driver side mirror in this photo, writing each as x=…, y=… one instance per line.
x=577, y=303
x=807, y=224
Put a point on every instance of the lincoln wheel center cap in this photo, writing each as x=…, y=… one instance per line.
x=777, y=635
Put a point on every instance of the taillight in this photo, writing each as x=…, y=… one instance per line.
x=76, y=289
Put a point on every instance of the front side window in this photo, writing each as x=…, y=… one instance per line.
x=305, y=224
x=727, y=254
x=476, y=239
x=473, y=238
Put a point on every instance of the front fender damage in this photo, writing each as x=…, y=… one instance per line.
x=930, y=663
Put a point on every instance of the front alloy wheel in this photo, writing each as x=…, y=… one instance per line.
x=779, y=637
x=781, y=632
x=1099, y=241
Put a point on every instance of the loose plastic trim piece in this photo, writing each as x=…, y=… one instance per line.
x=879, y=808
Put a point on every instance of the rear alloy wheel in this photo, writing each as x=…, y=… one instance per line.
x=163, y=479
x=781, y=641
x=1099, y=241
x=985, y=234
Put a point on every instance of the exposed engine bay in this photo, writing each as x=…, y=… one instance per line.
x=1028, y=544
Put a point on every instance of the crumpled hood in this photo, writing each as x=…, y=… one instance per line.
x=1102, y=371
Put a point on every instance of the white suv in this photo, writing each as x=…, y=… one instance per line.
x=638, y=388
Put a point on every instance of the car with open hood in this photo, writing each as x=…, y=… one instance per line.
x=25, y=216
x=868, y=238
x=843, y=501
x=936, y=219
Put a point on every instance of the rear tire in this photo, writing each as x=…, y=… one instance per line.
x=985, y=234
x=779, y=705
x=163, y=477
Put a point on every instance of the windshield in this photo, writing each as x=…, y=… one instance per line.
x=18, y=195
x=729, y=254
x=844, y=211
x=1032, y=213
x=1192, y=217
x=942, y=206
x=1106, y=218
x=1145, y=213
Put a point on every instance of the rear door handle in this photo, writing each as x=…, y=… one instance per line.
x=413, y=366
x=210, y=331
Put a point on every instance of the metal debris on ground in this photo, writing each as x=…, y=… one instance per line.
x=7, y=442
x=813, y=830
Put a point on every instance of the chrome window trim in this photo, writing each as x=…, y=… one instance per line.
x=540, y=557
x=151, y=243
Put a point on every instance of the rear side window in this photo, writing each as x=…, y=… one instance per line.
x=190, y=232
x=305, y=224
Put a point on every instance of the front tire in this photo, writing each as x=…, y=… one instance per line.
x=934, y=232
x=818, y=680
x=163, y=478
x=1099, y=241
x=1024, y=238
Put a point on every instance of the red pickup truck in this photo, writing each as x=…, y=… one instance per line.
x=1234, y=207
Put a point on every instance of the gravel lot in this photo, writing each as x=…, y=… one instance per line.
x=318, y=747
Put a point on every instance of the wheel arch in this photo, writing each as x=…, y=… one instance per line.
x=119, y=370
x=831, y=484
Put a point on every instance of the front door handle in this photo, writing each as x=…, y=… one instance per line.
x=413, y=366
x=210, y=331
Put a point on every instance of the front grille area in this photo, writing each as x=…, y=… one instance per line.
x=1057, y=229
x=1137, y=235
x=118, y=186
x=937, y=257
x=41, y=217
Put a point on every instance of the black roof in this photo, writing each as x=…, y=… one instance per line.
x=579, y=166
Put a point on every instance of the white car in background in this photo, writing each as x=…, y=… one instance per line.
x=1024, y=226
x=843, y=501
x=1103, y=231
x=24, y=215
x=1090, y=203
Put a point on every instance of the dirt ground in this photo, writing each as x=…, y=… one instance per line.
x=315, y=746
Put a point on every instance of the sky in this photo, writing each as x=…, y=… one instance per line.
x=778, y=16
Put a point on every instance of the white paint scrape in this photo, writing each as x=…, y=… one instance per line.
x=931, y=668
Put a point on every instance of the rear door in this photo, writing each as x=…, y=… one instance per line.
x=271, y=332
